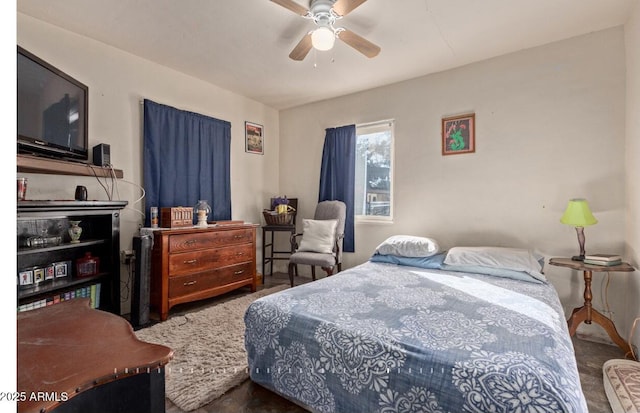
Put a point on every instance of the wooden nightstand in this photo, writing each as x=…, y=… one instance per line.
x=587, y=313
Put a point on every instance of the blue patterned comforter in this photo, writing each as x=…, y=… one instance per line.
x=388, y=338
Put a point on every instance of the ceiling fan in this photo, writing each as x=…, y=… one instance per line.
x=324, y=14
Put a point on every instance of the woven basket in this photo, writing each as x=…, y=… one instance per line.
x=277, y=219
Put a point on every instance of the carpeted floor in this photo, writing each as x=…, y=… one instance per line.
x=252, y=398
x=208, y=349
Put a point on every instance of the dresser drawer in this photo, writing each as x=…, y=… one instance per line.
x=190, y=264
x=196, y=261
x=197, y=283
x=202, y=240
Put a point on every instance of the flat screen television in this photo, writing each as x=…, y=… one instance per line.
x=52, y=110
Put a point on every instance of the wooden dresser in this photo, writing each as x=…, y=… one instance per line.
x=190, y=264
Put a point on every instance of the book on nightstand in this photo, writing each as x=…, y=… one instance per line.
x=607, y=260
x=603, y=257
x=602, y=263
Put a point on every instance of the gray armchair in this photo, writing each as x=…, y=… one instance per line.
x=327, y=260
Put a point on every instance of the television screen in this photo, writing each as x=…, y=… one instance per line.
x=52, y=110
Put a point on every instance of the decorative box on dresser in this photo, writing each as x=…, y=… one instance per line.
x=194, y=263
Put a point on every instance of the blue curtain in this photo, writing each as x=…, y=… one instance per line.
x=337, y=175
x=186, y=159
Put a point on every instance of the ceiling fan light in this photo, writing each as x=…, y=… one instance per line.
x=323, y=38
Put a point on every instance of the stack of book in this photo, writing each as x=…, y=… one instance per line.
x=91, y=291
x=606, y=260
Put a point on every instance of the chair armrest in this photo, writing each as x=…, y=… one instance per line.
x=336, y=247
x=338, y=239
x=294, y=241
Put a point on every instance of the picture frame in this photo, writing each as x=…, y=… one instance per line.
x=50, y=272
x=25, y=278
x=61, y=269
x=459, y=134
x=38, y=275
x=254, y=138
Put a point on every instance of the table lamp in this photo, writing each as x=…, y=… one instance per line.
x=578, y=215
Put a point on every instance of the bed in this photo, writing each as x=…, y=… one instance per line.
x=406, y=332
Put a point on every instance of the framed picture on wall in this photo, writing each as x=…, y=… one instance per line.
x=459, y=134
x=254, y=138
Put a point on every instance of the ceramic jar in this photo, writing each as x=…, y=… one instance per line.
x=75, y=231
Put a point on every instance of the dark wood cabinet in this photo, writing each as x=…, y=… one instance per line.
x=47, y=260
x=190, y=264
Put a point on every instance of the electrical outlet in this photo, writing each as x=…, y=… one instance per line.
x=126, y=256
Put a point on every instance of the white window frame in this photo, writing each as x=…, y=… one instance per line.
x=373, y=127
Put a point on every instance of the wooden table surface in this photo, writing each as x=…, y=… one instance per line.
x=581, y=266
x=67, y=348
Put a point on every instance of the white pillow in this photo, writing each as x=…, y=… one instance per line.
x=408, y=246
x=514, y=259
x=318, y=235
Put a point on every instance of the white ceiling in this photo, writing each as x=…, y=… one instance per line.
x=243, y=45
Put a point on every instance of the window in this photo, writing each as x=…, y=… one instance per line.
x=374, y=161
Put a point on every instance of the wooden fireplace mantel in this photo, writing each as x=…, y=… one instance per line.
x=39, y=165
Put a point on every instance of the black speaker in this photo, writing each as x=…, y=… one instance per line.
x=102, y=155
x=141, y=281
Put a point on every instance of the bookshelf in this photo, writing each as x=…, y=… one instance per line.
x=47, y=271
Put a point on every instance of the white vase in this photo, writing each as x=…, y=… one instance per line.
x=202, y=211
x=75, y=231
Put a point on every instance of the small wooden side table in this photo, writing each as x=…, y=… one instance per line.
x=587, y=313
x=273, y=253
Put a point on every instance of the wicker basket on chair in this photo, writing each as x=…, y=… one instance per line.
x=273, y=218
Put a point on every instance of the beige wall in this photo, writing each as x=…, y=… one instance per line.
x=632, y=151
x=118, y=82
x=550, y=127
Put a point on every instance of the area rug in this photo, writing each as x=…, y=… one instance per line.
x=208, y=350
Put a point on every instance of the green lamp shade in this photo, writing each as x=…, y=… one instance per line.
x=578, y=214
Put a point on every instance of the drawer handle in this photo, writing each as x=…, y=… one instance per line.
x=238, y=236
x=238, y=272
x=239, y=254
x=190, y=262
x=190, y=242
x=188, y=283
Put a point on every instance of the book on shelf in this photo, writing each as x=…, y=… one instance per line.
x=602, y=263
x=91, y=291
x=603, y=257
x=92, y=296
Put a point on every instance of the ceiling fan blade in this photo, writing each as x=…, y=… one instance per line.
x=344, y=7
x=293, y=6
x=302, y=48
x=359, y=43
